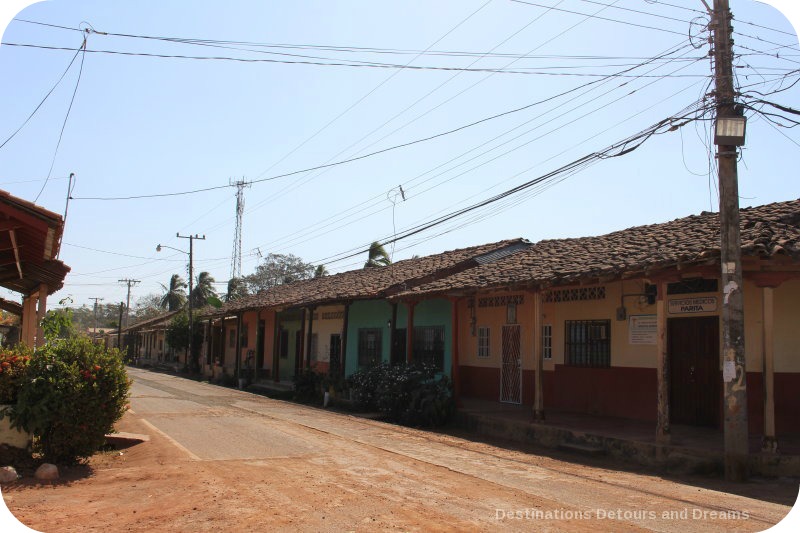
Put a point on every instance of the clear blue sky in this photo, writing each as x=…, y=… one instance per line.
x=148, y=125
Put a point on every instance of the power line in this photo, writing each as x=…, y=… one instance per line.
x=597, y=17
x=352, y=145
x=615, y=150
x=359, y=209
x=64, y=125
x=78, y=51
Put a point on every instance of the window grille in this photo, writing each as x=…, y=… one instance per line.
x=547, y=341
x=369, y=347
x=429, y=345
x=483, y=341
x=587, y=343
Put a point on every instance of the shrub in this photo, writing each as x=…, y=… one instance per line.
x=412, y=395
x=73, y=394
x=308, y=386
x=13, y=363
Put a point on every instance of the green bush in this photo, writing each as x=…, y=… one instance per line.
x=73, y=393
x=308, y=386
x=413, y=395
x=13, y=363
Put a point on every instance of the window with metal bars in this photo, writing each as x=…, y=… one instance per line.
x=547, y=341
x=483, y=341
x=587, y=343
x=429, y=345
x=369, y=347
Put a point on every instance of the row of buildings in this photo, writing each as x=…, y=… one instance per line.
x=608, y=325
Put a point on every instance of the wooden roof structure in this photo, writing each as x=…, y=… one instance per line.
x=30, y=238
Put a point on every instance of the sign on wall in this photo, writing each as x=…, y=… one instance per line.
x=642, y=329
x=693, y=305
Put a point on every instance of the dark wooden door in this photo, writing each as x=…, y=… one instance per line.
x=399, y=346
x=695, y=377
x=335, y=353
x=262, y=328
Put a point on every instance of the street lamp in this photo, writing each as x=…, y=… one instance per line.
x=729, y=131
x=190, y=253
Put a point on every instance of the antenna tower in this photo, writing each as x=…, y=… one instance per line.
x=236, y=258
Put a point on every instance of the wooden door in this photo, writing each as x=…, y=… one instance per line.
x=335, y=353
x=511, y=370
x=695, y=377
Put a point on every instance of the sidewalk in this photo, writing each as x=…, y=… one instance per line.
x=693, y=449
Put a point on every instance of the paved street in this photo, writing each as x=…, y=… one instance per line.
x=224, y=460
x=214, y=424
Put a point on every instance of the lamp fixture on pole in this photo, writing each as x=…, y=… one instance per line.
x=190, y=253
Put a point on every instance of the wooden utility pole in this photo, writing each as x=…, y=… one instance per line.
x=94, y=339
x=195, y=363
x=130, y=283
x=733, y=355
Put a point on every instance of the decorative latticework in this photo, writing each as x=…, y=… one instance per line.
x=579, y=294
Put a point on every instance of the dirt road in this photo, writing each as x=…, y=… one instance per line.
x=224, y=460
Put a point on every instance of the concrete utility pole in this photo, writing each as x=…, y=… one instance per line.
x=191, y=238
x=733, y=355
x=130, y=282
x=95, y=314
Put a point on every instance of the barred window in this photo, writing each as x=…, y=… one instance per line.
x=429, y=345
x=547, y=341
x=587, y=343
x=483, y=341
x=369, y=347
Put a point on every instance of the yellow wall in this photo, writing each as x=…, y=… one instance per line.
x=623, y=353
x=323, y=328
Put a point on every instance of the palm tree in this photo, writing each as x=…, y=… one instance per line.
x=203, y=290
x=377, y=256
x=320, y=271
x=236, y=289
x=174, y=296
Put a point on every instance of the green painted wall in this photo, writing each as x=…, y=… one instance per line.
x=376, y=314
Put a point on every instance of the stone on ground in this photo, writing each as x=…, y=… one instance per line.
x=47, y=472
x=8, y=474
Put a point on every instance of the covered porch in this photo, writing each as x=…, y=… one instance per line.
x=30, y=239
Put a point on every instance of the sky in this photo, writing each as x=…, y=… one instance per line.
x=391, y=94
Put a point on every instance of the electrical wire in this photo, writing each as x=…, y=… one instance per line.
x=617, y=149
x=64, y=125
x=597, y=17
x=69, y=66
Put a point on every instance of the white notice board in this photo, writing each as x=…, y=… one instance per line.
x=642, y=329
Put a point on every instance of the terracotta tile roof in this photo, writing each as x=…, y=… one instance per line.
x=766, y=231
x=366, y=283
x=161, y=320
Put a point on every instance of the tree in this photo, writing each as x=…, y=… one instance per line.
x=174, y=296
x=148, y=306
x=203, y=290
x=278, y=269
x=377, y=256
x=320, y=271
x=177, y=334
x=237, y=288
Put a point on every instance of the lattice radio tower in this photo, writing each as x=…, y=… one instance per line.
x=236, y=258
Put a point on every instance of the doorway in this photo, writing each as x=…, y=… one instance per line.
x=695, y=377
x=511, y=371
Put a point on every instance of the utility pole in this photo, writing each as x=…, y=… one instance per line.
x=191, y=238
x=130, y=282
x=733, y=354
x=95, y=315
